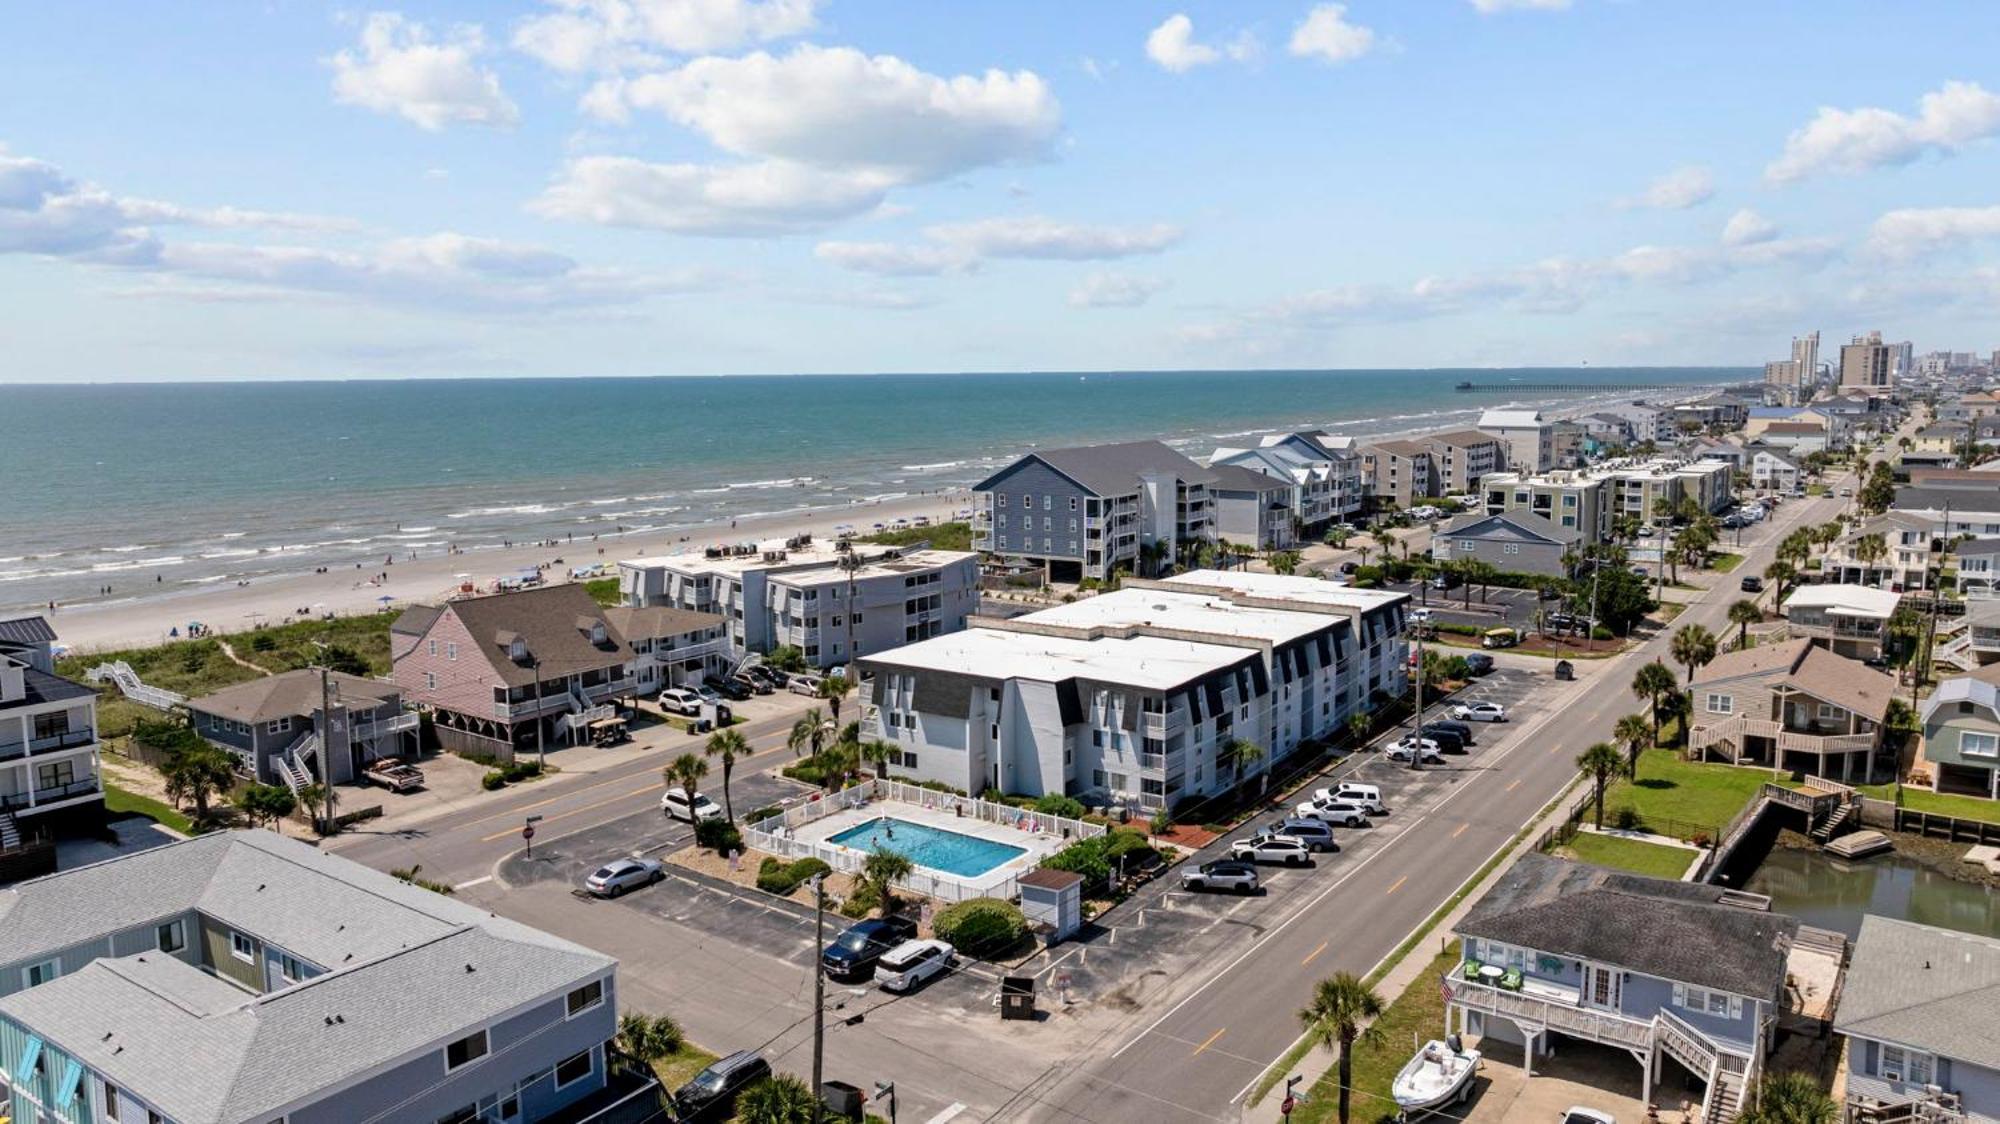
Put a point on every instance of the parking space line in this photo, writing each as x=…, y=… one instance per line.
x=474, y=882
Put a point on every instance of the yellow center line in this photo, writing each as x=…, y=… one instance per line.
x=1461, y=830
x=1211, y=1040
x=578, y=811
x=1313, y=954
x=1513, y=784
x=1397, y=886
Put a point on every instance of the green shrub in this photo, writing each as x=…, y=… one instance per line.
x=1600, y=633
x=860, y=903
x=936, y=786
x=980, y=925
x=1163, y=822
x=1130, y=846
x=766, y=812
x=522, y=771
x=1457, y=629
x=263, y=642
x=718, y=835
x=493, y=780
x=1056, y=804
x=774, y=876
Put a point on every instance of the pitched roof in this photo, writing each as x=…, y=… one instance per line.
x=1976, y=547
x=290, y=693
x=1964, y=688
x=1754, y=661
x=1111, y=470
x=1848, y=683
x=1934, y=989
x=1401, y=448
x=1528, y=522
x=1857, y=600
x=1465, y=438
x=554, y=623
x=406, y=968
x=1675, y=931
x=1794, y=427
x=632, y=621
x=41, y=687
x=1966, y=496
x=30, y=629
x=415, y=620
x=1236, y=478
x=1510, y=419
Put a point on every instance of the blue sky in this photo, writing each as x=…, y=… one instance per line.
x=630, y=187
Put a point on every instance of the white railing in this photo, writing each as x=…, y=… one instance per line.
x=1580, y=1022
x=121, y=673
x=382, y=727
x=777, y=834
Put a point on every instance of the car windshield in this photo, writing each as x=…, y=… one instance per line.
x=605, y=872
x=708, y=1081
x=852, y=941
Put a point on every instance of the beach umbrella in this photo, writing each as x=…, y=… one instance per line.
x=385, y=599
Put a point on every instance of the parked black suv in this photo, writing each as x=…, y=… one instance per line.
x=727, y=688
x=1447, y=741
x=1753, y=584
x=712, y=1093
x=1479, y=663
x=854, y=952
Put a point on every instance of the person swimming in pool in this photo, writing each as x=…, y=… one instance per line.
x=891, y=829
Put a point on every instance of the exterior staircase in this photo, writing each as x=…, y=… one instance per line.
x=1957, y=652
x=581, y=713
x=1725, y=1099
x=129, y=684
x=10, y=832
x=295, y=765
x=1834, y=820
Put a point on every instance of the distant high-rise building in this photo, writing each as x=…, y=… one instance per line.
x=1902, y=359
x=1790, y=381
x=1864, y=364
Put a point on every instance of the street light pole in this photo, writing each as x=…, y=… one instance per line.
x=1417, y=734
x=819, y=993
x=541, y=748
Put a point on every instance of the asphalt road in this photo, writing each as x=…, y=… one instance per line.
x=1194, y=1052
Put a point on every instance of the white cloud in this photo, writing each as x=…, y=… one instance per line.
x=1914, y=231
x=826, y=133
x=1326, y=35
x=835, y=107
x=1678, y=190
x=888, y=259
x=1171, y=45
x=47, y=213
x=1115, y=290
x=1035, y=236
x=889, y=300
x=1746, y=227
x=1858, y=140
x=400, y=69
x=583, y=35
x=1489, y=7
x=766, y=197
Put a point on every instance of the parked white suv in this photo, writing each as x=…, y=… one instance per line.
x=1367, y=795
x=908, y=964
x=680, y=700
x=674, y=802
x=1342, y=812
x=1271, y=849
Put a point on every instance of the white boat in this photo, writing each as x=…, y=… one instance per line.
x=1440, y=1073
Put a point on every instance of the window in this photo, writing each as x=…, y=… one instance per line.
x=433, y=645
x=1072, y=503
x=1027, y=503
x=1828, y=712
x=1468, y=546
x=57, y=724
x=1000, y=500
x=451, y=650
x=1721, y=704
x=909, y=760
x=465, y=1051
x=569, y=1071
x=430, y=681
x=171, y=937
x=290, y=969
x=1511, y=548
x=1910, y=1066
x=1706, y=1002
x=1048, y=502
x=1000, y=520
x=1097, y=738
x=35, y=975
x=278, y=725
x=110, y=1101
x=465, y=1115
x=1979, y=745
x=1097, y=778
x=55, y=774
x=242, y=947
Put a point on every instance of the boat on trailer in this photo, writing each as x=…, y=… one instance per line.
x=1439, y=1074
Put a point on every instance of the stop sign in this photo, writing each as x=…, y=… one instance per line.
x=528, y=832
x=1289, y=1104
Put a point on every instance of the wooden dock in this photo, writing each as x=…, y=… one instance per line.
x=1859, y=844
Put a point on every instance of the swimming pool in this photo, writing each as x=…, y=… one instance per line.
x=933, y=847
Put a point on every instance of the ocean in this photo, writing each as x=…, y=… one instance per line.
x=199, y=483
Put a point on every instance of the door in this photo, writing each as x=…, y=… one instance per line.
x=1601, y=987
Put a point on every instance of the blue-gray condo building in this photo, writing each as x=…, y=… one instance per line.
x=245, y=978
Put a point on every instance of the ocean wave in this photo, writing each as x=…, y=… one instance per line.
x=937, y=467
x=512, y=509
x=127, y=549
x=234, y=534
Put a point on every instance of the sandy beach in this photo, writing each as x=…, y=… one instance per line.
x=430, y=578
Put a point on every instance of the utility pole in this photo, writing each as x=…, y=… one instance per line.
x=887, y=1089
x=331, y=822
x=1417, y=734
x=851, y=562
x=819, y=993
x=541, y=750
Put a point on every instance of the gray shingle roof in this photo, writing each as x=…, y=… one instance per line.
x=1670, y=930
x=660, y=620
x=41, y=687
x=1236, y=478
x=415, y=620
x=550, y=620
x=1112, y=470
x=1982, y=498
x=291, y=693
x=408, y=969
x=1933, y=989
x=26, y=630
x=1538, y=525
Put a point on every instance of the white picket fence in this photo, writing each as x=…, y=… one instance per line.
x=778, y=834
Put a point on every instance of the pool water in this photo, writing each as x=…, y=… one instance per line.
x=936, y=848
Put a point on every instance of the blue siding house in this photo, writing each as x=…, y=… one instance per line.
x=1085, y=512
x=1670, y=972
x=1922, y=1027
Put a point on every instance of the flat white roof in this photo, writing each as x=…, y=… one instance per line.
x=1147, y=662
x=1185, y=612
x=1855, y=600
x=1291, y=587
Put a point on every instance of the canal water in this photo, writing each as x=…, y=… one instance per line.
x=1834, y=893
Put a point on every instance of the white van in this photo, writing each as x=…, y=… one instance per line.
x=1367, y=795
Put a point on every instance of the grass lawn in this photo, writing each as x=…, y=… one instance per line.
x=941, y=536
x=1418, y=1011
x=604, y=591
x=1629, y=854
x=120, y=802
x=1942, y=804
x=1679, y=798
x=1724, y=562
x=678, y=1069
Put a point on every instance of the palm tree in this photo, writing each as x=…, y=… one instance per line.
x=837, y=762
x=1285, y=562
x=1236, y=755
x=648, y=1038
x=880, y=754
x=1743, y=614
x=1600, y=763
x=833, y=689
x=727, y=745
x=1693, y=646
x=808, y=733
x=1651, y=681
x=880, y=872
x=1362, y=548
x=1637, y=734
x=1780, y=574
x=1868, y=550
x=196, y=774
x=687, y=770
x=778, y=1099
x=1342, y=1013
x=1790, y=1098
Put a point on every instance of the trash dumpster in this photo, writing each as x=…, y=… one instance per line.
x=843, y=1100
x=1017, y=997
x=1564, y=670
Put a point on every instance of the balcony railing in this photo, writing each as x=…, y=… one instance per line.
x=1578, y=1022
x=383, y=727
x=68, y=740
x=1162, y=724
x=1801, y=741
x=17, y=801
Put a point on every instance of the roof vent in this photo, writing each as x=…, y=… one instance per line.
x=469, y=969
